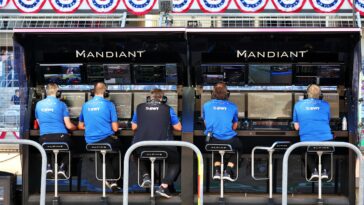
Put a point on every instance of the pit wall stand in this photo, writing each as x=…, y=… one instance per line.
x=324, y=144
x=279, y=145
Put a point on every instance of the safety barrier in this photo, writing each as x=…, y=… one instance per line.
x=333, y=144
x=44, y=163
x=162, y=143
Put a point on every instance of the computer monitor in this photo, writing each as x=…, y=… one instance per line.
x=95, y=73
x=140, y=97
x=149, y=74
x=331, y=98
x=74, y=102
x=62, y=74
x=261, y=74
x=122, y=102
x=269, y=105
x=237, y=98
x=117, y=74
x=232, y=74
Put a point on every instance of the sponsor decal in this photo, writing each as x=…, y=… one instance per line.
x=270, y=54
x=108, y=54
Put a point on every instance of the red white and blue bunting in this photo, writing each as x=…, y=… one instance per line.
x=252, y=6
x=289, y=5
x=3, y=3
x=29, y=6
x=139, y=7
x=326, y=6
x=65, y=6
x=181, y=6
x=359, y=6
x=103, y=6
x=213, y=6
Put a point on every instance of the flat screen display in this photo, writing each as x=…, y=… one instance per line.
x=270, y=74
x=269, y=105
x=237, y=98
x=62, y=74
x=122, y=102
x=117, y=73
x=150, y=74
x=229, y=73
x=74, y=102
x=95, y=73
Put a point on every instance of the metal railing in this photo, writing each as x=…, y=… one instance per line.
x=44, y=163
x=159, y=144
x=333, y=144
x=262, y=20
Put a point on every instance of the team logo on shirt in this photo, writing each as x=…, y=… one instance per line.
x=93, y=109
x=47, y=110
x=219, y=108
x=152, y=108
x=312, y=108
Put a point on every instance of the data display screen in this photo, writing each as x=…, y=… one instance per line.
x=62, y=74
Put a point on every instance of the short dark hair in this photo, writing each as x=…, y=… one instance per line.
x=220, y=91
x=17, y=90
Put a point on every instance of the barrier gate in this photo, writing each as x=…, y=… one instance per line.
x=163, y=143
x=332, y=144
x=44, y=162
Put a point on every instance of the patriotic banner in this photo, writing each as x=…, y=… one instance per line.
x=65, y=6
x=289, y=5
x=139, y=7
x=359, y=6
x=252, y=6
x=326, y=6
x=213, y=6
x=103, y=6
x=29, y=6
x=181, y=6
x=3, y=3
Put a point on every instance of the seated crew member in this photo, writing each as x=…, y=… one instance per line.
x=311, y=117
x=154, y=121
x=221, y=119
x=99, y=119
x=53, y=119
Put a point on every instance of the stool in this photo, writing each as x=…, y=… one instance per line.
x=279, y=145
x=152, y=156
x=222, y=149
x=103, y=148
x=320, y=150
x=57, y=147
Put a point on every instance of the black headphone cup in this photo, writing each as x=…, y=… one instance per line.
x=164, y=99
x=58, y=94
x=106, y=94
x=92, y=93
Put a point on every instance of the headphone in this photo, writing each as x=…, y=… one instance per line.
x=305, y=95
x=227, y=91
x=106, y=93
x=163, y=101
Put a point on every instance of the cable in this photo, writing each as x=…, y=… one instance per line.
x=10, y=158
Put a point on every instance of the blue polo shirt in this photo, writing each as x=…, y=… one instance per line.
x=313, y=117
x=173, y=115
x=219, y=116
x=50, y=113
x=98, y=114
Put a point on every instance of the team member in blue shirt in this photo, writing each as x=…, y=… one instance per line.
x=53, y=119
x=221, y=119
x=154, y=120
x=99, y=119
x=311, y=117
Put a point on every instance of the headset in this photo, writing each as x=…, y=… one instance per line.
x=163, y=101
x=227, y=91
x=106, y=93
x=305, y=95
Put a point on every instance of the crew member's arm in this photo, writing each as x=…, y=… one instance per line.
x=134, y=124
x=174, y=120
x=235, y=119
x=81, y=124
x=114, y=118
x=66, y=119
x=295, y=119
